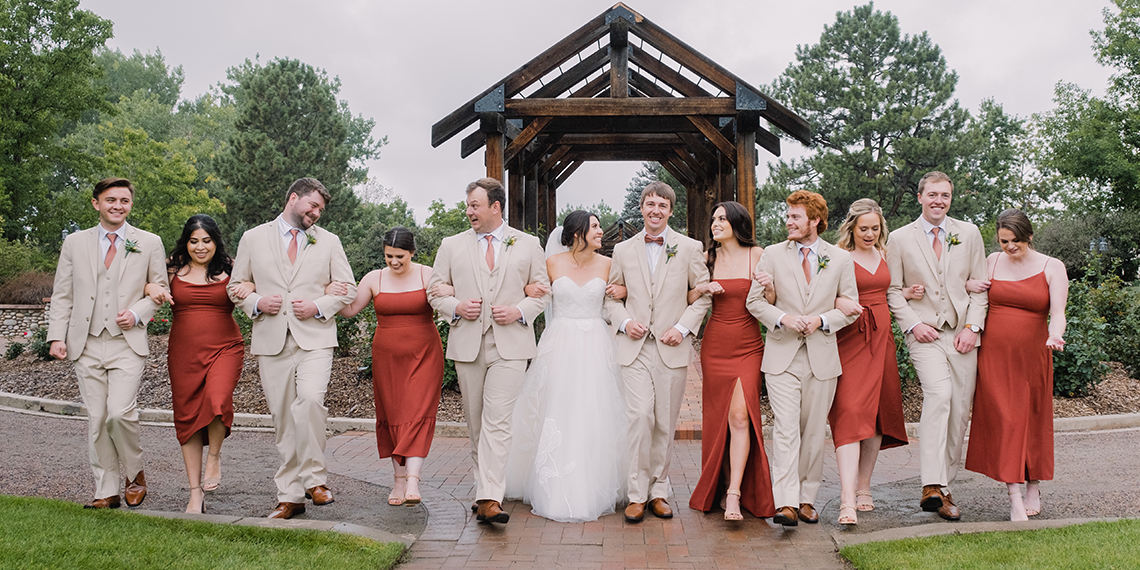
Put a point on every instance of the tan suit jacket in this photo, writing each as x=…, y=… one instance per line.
x=262, y=259
x=795, y=297
x=659, y=301
x=73, y=296
x=460, y=262
x=912, y=261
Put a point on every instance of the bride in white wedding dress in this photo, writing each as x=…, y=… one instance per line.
x=568, y=444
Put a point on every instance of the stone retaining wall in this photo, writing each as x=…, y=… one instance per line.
x=15, y=320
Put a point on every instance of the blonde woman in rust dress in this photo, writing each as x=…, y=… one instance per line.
x=205, y=351
x=407, y=361
x=1011, y=435
x=866, y=414
x=731, y=354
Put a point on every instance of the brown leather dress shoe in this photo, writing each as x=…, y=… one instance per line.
x=111, y=502
x=931, y=498
x=660, y=508
x=286, y=510
x=786, y=516
x=634, y=512
x=321, y=495
x=135, y=491
x=491, y=511
x=808, y=514
x=949, y=510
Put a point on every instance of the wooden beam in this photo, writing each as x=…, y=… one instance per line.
x=622, y=138
x=628, y=125
x=746, y=171
x=553, y=159
x=593, y=88
x=698, y=147
x=647, y=86
x=522, y=77
x=722, y=144
x=525, y=137
x=619, y=58
x=768, y=141
x=566, y=174
x=475, y=141
x=515, y=191
x=670, y=76
x=676, y=172
x=530, y=207
x=682, y=166
x=711, y=71
x=572, y=76
x=587, y=153
x=493, y=125
x=541, y=149
x=610, y=107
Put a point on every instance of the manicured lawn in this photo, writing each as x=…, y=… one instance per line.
x=42, y=533
x=1092, y=545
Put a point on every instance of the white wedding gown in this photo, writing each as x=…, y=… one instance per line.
x=568, y=445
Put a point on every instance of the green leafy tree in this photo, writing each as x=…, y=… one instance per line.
x=124, y=75
x=48, y=76
x=606, y=215
x=289, y=125
x=882, y=111
x=441, y=222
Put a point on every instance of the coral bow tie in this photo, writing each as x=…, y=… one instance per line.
x=659, y=240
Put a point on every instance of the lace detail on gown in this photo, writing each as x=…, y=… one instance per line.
x=567, y=451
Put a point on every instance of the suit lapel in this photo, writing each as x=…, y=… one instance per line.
x=478, y=262
x=91, y=242
x=925, y=247
x=947, y=250
x=793, y=260
x=277, y=249
x=643, y=260
x=662, y=261
x=132, y=236
x=500, y=271
x=302, y=251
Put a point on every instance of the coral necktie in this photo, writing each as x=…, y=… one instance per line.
x=807, y=266
x=110, y=251
x=937, y=245
x=490, y=253
x=292, y=251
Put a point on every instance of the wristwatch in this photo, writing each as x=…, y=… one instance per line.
x=974, y=328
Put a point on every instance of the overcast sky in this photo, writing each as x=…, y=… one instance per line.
x=408, y=64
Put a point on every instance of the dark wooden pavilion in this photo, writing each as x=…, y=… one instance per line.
x=620, y=88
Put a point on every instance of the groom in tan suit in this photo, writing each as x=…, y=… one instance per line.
x=658, y=267
x=491, y=335
x=98, y=320
x=933, y=257
x=291, y=261
x=801, y=357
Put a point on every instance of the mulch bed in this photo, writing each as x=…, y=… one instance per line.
x=350, y=390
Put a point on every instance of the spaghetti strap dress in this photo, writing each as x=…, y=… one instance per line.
x=868, y=395
x=407, y=374
x=732, y=348
x=1011, y=434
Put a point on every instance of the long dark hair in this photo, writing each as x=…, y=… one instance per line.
x=400, y=237
x=741, y=224
x=576, y=225
x=180, y=257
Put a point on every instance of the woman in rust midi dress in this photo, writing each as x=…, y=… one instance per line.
x=205, y=351
x=866, y=414
x=731, y=353
x=407, y=361
x=1011, y=433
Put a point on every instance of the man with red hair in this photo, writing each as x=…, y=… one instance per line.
x=801, y=358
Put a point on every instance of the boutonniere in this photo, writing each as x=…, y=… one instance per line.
x=953, y=241
x=131, y=246
x=509, y=241
x=670, y=251
x=310, y=239
x=823, y=261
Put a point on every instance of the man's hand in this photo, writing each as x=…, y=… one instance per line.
x=125, y=319
x=270, y=305
x=58, y=349
x=505, y=314
x=469, y=309
x=535, y=290
x=808, y=324
x=924, y=333
x=965, y=340
x=671, y=338
x=304, y=309
x=790, y=322
x=635, y=330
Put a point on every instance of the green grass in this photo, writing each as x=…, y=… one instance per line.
x=42, y=533
x=1091, y=545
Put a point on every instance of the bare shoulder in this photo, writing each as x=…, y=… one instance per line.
x=1055, y=270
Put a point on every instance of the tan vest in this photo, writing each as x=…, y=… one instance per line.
x=106, y=299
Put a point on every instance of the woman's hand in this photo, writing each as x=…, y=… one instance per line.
x=158, y=294
x=335, y=289
x=1055, y=343
x=710, y=288
x=615, y=291
x=848, y=307
x=442, y=290
x=913, y=292
x=536, y=290
x=243, y=289
x=977, y=285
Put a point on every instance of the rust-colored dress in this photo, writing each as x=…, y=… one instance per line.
x=407, y=374
x=732, y=348
x=868, y=395
x=1011, y=435
x=204, y=356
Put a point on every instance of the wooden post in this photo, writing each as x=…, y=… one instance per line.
x=540, y=207
x=619, y=58
x=515, y=190
x=551, y=210
x=746, y=170
x=493, y=125
x=531, y=201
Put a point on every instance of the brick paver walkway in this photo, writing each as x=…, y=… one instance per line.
x=691, y=539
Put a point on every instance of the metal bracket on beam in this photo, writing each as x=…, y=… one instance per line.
x=621, y=12
x=749, y=100
x=493, y=102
